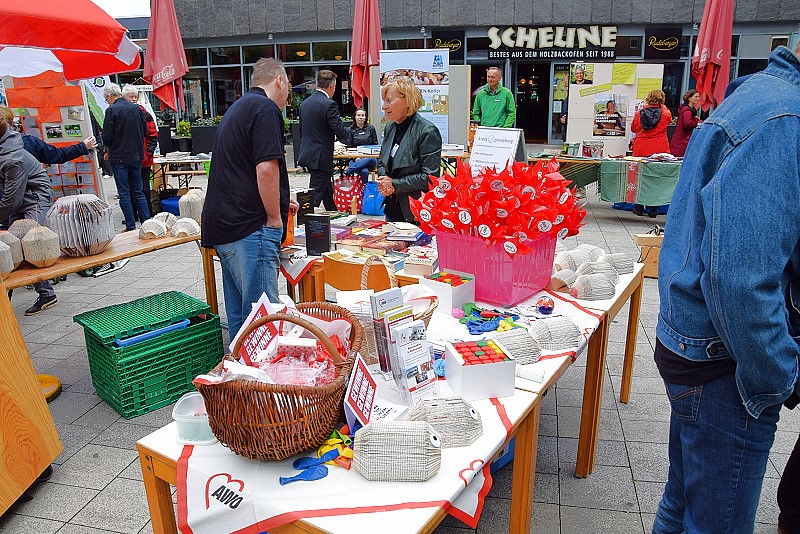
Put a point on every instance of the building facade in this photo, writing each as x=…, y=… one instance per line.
x=532, y=41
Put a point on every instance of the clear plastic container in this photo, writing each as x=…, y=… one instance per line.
x=190, y=414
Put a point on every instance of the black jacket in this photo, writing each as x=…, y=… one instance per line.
x=319, y=123
x=124, y=130
x=51, y=154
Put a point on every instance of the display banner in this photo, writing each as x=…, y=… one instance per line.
x=430, y=71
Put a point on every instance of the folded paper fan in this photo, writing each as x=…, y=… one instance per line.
x=594, y=287
x=152, y=229
x=14, y=244
x=185, y=226
x=397, y=451
x=40, y=246
x=191, y=204
x=6, y=261
x=166, y=217
x=621, y=263
x=594, y=252
x=456, y=421
x=599, y=267
x=20, y=227
x=84, y=224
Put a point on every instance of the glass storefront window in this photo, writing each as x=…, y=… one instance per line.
x=303, y=81
x=195, y=91
x=332, y=51
x=477, y=47
x=226, y=84
x=254, y=53
x=294, y=52
x=196, y=57
x=224, y=55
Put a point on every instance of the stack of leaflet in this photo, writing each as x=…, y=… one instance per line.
x=369, y=149
x=84, y=224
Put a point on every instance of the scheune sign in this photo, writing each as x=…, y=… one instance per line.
x=552, y=42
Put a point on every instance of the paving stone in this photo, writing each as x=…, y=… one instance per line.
x=122, y=435
x=591, y=521
x=649, y=461
x=69, y=528
x=608, y=488
x=69, y=406
x=11, y=523
x=649, y=431
x=70, y=499
x=649, y=495
x=94, y=466
x=608, y=453
x=569, y=420
x=105, y=509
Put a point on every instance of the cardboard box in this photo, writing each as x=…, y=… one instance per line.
x=452, y=296
x=650, y=246
x=476, y=381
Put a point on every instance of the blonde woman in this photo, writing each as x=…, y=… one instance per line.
x=411, y=149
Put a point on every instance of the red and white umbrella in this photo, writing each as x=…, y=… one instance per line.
x=77, y=38
x=367, y=44
x=165, y=59
x=711, y=62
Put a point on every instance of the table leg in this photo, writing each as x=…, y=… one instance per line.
x=630, y=344
x=290, y=290
x=159, y=498
x=210, y=279
x=319, y=285
x=592, y=400
x=524, y=475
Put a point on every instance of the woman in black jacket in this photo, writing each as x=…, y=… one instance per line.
x=362, y=133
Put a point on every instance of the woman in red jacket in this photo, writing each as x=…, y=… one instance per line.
x=687, y=122
x=650, y=126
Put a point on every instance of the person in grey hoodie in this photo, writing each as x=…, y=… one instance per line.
x=26, y=195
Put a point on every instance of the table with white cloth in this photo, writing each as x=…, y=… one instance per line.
x=346, y=502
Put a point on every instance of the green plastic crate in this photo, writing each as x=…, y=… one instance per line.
x=142, y=377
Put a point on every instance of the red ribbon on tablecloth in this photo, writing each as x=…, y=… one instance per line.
x=631, y=186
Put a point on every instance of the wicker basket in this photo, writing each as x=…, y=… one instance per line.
x=275, y=421
x=370, y=352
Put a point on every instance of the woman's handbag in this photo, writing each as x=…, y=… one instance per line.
x=345, y=190
x=373, y=200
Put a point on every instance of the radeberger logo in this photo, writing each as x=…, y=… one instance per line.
x=452, y=44
x=670, y=43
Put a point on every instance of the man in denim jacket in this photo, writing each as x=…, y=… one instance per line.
x=729, y=281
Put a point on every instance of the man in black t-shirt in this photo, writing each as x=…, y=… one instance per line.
x=247, y=203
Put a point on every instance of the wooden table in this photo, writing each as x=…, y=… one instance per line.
x=124, y=245
x=183, y=169
x=631, y=292
x=159, y=452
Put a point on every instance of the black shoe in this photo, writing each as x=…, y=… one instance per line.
x=638, y=210
x=652, y=213
x=42, y=303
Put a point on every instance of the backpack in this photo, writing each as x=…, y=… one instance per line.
x=649, y=117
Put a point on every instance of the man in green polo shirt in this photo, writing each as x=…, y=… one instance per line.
x=494, y=104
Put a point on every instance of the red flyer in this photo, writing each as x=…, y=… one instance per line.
x=360, y=395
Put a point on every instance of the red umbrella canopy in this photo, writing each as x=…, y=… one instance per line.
x=164, y=59
x=711, y=62
x=79, y=39
x=367, y=44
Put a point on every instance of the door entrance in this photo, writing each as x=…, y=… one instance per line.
x=533, y=100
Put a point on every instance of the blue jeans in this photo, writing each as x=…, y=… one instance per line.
x=362, y=166
x=129, y=186
x=249, y=268
x=717, y=459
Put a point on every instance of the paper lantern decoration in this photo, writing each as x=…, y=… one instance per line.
x=185, y=227
x=621, y=263
x=571, y=259
x=594, y=252
x=152, y=229
x=397, y=451
x=6, y=261
x=41, y=247
x=593, y=287
x=20, y=227
x=555, y=333
x=84, y=224
x=562, y=280
x=167, y=218
x=191, y=205
x=14, y=244
x=599, y=267
x=456, y=421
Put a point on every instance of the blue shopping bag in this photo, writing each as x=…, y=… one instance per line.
x=373, y=201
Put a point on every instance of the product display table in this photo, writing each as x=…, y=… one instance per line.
x=159, y=454
x=124, y=245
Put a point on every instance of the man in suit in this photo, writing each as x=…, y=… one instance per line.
x=319, y=123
